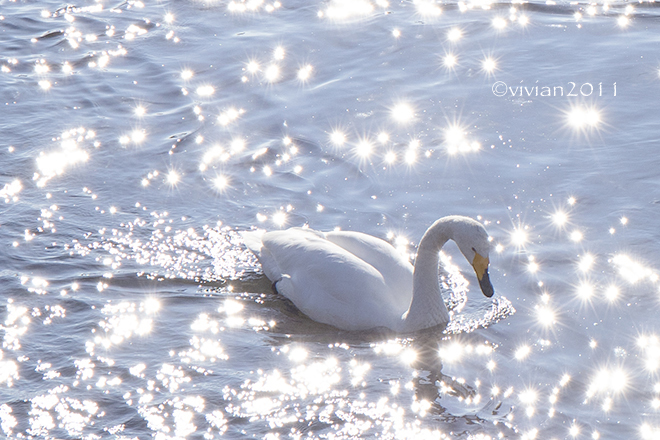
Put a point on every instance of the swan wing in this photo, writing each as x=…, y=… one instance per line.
x=327, y=282
x=393, y=266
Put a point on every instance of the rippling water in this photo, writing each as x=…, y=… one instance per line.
x=139, y=138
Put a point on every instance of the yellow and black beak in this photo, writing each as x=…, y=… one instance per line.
x=480, y=265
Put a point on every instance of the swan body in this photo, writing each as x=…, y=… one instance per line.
x=354, y=281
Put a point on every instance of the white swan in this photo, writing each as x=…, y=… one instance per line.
x=354, y=281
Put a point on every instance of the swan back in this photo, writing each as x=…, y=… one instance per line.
x=395, y=269
x=329, y=283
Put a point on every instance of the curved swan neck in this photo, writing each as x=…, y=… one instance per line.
x=427, y=308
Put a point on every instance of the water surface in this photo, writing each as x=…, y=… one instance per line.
x=138, y=138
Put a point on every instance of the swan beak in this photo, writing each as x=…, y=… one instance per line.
x=480, y=265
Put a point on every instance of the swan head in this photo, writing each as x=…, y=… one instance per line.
x=472, y=240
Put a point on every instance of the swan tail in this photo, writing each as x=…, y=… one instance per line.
x=271, y=269
x=252, y=240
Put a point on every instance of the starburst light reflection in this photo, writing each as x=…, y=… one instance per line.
x=457, y=142
x=305, y=72
x=173, y=177
x=545, y=315
x=427, y=8
x=623, y=21
x=449, y=61
x=403, y=113
x=205, y=90
x=220, y=183
x=522, y=352
x=347, y=9
x=583, y=118
x=576, y=236
x=237, y=145
x=519, y=237
x=454, y=34
x=338, y=138
x=585, y=290
x=364, y=148
x=649, y=345
x=186, y=74
x=499, y=23
x=631, y=270
x=279, y=218
x=489, y=65
x=272, y=73
x=559, y=218
x=278, y=53
x=612, y=293
x=586, y=262
x=608, y=381
x=533, y=266
x=140, y=111
x=383, y=137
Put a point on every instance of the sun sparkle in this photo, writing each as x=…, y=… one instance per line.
x=608, y=380
x=347, y=9
x=623, y=21
x=586, y=262
x=305, y=72
x=576, y=236
x=454, y=34
x=140, y=111
x=278, y=53
x=173, y=177
x=545, y=316
x=519, y=237
x=499, y=23
x=559, y=218
x=205, y=90
x=449, y=61
x=582, y=118
x=252, y=66
x=272, y=73
x=489, y=65
x=612, y=293
x=279, y=218
x=383, y=137
x=403, y=113
x=364, y=148
x=338, y=138
x=220, y=183
x=585, y=290
x=522, y=352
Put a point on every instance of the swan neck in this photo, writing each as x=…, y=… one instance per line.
x=427, y=308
